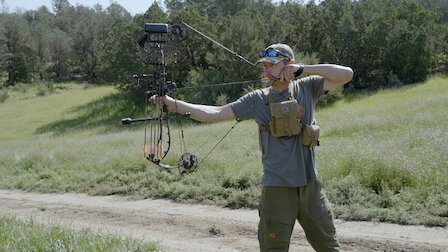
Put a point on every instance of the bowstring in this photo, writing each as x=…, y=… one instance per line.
x=153, y=129
x=146, y=116
x=182, y=145
x=175, y=102
x=217, y=43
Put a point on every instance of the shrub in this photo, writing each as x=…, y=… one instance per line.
x=45, y=89
x=393, y=80
x=221, y=100
x=332, y=96
x=4, y=96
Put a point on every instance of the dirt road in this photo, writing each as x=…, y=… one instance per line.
x=183, y=227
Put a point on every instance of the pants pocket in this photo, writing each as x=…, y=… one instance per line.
x=274, y=231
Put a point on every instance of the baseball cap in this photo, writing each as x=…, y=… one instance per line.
x=284, y=49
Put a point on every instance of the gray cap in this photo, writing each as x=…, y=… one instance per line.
x=282, y=48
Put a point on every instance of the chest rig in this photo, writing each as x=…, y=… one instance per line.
x=285, y=119
x=284, y=115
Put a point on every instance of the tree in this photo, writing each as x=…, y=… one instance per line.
x=4, y=7
x=117, y=12
x=154, y=14
x=438, y=6
x=13, y=37
x=40, y=23
x=59, y=6
x=60, y=52
x=86, y=42
x=20, y=70
x=119, y=54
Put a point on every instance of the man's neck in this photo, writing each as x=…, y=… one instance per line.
x=280, y=86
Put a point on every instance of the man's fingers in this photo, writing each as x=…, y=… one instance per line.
x=157, y=100
x=287, y=74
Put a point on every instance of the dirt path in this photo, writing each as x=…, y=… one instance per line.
x=181, y=227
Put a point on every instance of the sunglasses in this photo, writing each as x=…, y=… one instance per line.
x=271, y=53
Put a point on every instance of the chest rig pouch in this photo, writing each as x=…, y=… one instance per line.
x=310, y=135
x=284, y=122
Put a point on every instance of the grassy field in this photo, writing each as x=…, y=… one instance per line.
x=382, y=155
x=18, y=235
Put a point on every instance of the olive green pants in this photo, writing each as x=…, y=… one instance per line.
x=279, y=208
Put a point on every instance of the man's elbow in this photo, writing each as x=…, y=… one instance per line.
x=348, y=75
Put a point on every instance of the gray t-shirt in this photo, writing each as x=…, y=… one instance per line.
x=285, y=161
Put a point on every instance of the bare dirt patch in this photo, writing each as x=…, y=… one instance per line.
x=184, y=227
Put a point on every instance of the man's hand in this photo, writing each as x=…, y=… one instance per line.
x=169, y=102
x=288, y=72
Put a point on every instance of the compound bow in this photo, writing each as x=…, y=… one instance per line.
x=154, y=41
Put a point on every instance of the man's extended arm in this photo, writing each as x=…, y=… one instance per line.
x=334, y=75
x=203, y=113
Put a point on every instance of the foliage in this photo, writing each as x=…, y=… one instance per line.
x=60, y=52
x=221, y=100
x=19, y=69
x=385, y=42
x=332, y=96
x=119, y=55
x=45, y=89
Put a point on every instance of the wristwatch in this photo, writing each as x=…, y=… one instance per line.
x=299, y=72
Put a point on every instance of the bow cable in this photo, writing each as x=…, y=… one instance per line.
x=216, y=85
x=217, y=43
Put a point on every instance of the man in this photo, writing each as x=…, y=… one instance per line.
x=291, y=189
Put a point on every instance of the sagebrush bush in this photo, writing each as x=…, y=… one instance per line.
x=4, y=96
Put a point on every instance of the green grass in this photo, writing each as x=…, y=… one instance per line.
x=18, y=235
x=382, y=156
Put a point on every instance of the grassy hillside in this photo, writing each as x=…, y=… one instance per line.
x=382, y=156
